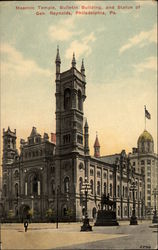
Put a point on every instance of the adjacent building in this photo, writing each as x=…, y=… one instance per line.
x=145, y=161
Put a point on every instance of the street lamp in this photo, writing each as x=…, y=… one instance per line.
x=155, y=217
x=133, y=220
x=32, y=197
x=57, y=216
x=86, y=226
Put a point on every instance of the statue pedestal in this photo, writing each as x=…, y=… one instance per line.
x=155, y=217
x=133, y=220
x=106, y=218
x=86, y=226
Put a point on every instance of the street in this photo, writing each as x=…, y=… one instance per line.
x=68, y=236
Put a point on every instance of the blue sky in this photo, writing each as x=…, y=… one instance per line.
x=120, y=60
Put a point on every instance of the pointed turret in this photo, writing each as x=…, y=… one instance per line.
x=58, y=56
x=86, y=138
x=82, y=67
x=73, y=61
x=86, y=124
x=96, y=147
x=33, y=132
x=57, y=62
x=9, y=145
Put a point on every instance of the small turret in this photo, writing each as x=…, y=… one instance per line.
x=9, y=145
x=96, y=147
x=58, y=56
x=82, y=67
x=73, y=61
x=58, y=61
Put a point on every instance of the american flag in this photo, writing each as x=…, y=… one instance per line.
x=147, y=114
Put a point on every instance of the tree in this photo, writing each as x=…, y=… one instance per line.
x=49, y=214
x=69, y=213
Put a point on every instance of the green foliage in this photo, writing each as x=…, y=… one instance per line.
x=30, y=212
x=69, y=212
x=49, y=213
x=11, y=213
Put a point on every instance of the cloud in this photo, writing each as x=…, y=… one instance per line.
x=146, y=2
x=143, y=38
x=14, y=62
x=81, y=47
x=64, y=30
x=149, y=64
x=125, y=115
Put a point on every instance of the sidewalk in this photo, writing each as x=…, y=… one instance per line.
x=68, y=236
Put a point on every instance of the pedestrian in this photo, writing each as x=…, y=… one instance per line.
x=25, y=225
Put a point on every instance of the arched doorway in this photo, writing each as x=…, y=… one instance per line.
x=1, y=210
x=94, y=212
x=24, y=212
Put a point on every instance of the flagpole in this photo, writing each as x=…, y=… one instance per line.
x=145, y=116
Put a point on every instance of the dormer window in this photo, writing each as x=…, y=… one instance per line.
x=67, y=99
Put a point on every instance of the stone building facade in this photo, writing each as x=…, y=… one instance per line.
x=28, y=176
x=145, y=161
x=48, y=177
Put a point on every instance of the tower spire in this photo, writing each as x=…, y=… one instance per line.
x=73, y=61
x=57, y=62
x=58, y=56
x=82, y=67
x=96, y=147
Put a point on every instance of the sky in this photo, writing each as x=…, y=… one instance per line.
x=120, y=55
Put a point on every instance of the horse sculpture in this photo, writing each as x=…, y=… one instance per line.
x=106, y=216
x=106, y=203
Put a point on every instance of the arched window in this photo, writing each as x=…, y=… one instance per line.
x=125, y=211
x=94, y=212
x=118, y=209
x=79, y=100
x=67, y=99
x=16, y=173
x=5, y=190
x=105, y=188
x=92, y=188
x=123, y=191
x=52, y=170
x=16, y=190
x=104, y=175
x=118, y=191
x=91, y=172
x=66, y=185
x=126, y=192
x=98, y=174
x=64, y=211
x=80, y=184
x=35, y=185
x=111, y=190
x=53, y=187
x=98, y=188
